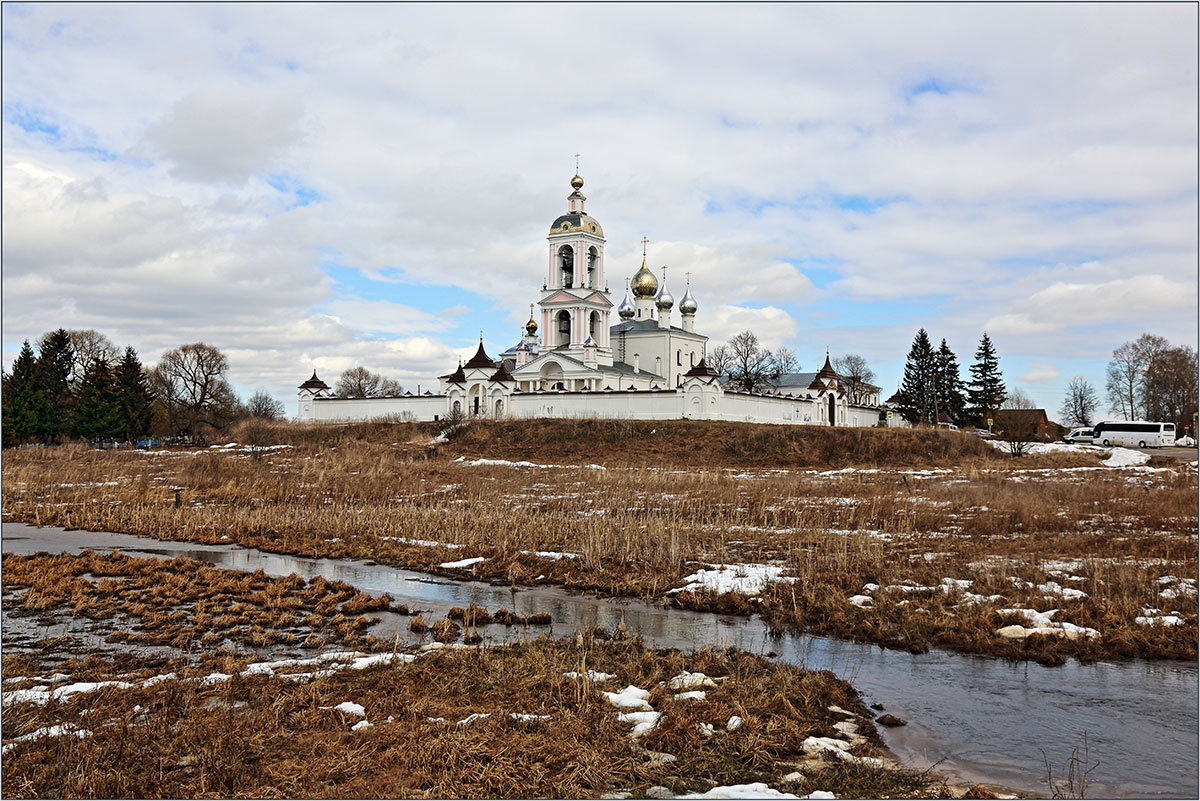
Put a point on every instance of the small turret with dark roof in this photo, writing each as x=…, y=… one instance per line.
x=480, y=359
x=314, y=384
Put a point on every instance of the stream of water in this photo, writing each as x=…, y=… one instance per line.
x=980, y=719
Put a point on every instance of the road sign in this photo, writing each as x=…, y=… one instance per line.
x=889, y=416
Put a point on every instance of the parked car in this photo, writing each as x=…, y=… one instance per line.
x=1080, y=435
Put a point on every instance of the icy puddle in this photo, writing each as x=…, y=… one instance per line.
x=986, y=720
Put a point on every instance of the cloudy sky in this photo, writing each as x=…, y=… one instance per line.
x=320, y=186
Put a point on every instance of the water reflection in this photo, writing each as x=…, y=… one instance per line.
x=984, y=719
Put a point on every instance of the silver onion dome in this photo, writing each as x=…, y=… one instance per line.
x=664, y=300
x=626, y=311
x=688, y=305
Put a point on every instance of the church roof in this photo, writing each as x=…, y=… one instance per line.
x=648, y=326
x=457, y=377
x=313, y=383
x=827, y=370
x=502, y=374
x=480, y=359
x=576, y=222
x=615, y=367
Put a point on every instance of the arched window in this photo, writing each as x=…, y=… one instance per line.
x=692, y=358
x=564, y=327
x=499, y=407
x=679, y=358
x=457, y=408
x=594, y=327
x=566, y=260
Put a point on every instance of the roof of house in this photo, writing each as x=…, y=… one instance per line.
x=1035, y=416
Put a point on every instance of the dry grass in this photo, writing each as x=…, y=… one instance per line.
x=185, y=603
x=265, y=736
x=637, y=528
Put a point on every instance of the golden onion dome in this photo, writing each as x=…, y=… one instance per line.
x=577, y=182
x=644, y=284
x=531, y=327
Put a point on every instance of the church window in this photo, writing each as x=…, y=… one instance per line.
x=692, y=358
x=594, y=327
x=593, y=265
x=476, y=405
x=564, y=327
x=457, y=408
x=566, y=259
x=679, y=358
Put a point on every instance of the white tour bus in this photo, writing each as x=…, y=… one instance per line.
x=1134, y=432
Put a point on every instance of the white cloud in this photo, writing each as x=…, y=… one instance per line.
x=138, y=144
x=227, y=132
x=1063, y=304
x=772, y=326
x=1041, y=371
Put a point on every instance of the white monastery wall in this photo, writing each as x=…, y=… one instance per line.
x=422, y=408
x=695, y=403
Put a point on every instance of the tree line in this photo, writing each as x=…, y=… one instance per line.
x=933, y=385
x=78, y=385
x=1146, y=379
x=748, y=367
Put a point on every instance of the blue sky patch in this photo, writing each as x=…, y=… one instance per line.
x=32, y=121
x=299, y=194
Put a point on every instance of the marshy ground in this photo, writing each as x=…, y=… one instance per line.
x=911, y=539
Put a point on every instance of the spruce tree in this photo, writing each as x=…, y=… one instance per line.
x=919, y=384
x=23, y=400
x=133, y=396
x=96, y=411
x=55, y=356
x=986, y=390
x=951, y=395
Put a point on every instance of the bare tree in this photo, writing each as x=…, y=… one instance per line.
x=749, y=363
x=1080, y=404
x=1170, y=388
x=189, y=382
x=88, y=345
x=1130, y=375
x=262, y=406
x=783, y=361
x=1017, y=398
x=720, y=359
x=857, y=375
x=359, y=382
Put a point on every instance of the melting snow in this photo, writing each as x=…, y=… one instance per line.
x=474, y=560
x=749, y=579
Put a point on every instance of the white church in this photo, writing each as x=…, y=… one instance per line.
x=583, y=364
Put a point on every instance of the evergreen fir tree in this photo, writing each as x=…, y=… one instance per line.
x=23, y=400
x=133, y=396
x=951, y=395
x=919, y=384
x=96, y=411
x=55, y=356
x=986, y=390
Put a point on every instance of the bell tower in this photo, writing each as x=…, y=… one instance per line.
x=575, y=304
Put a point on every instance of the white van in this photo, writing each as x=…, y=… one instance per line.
x=1080, y=435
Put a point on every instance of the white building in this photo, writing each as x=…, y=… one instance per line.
x=584, y=364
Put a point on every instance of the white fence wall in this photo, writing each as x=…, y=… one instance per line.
x=422, y=408
x=641, y=405
x=661, y=405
